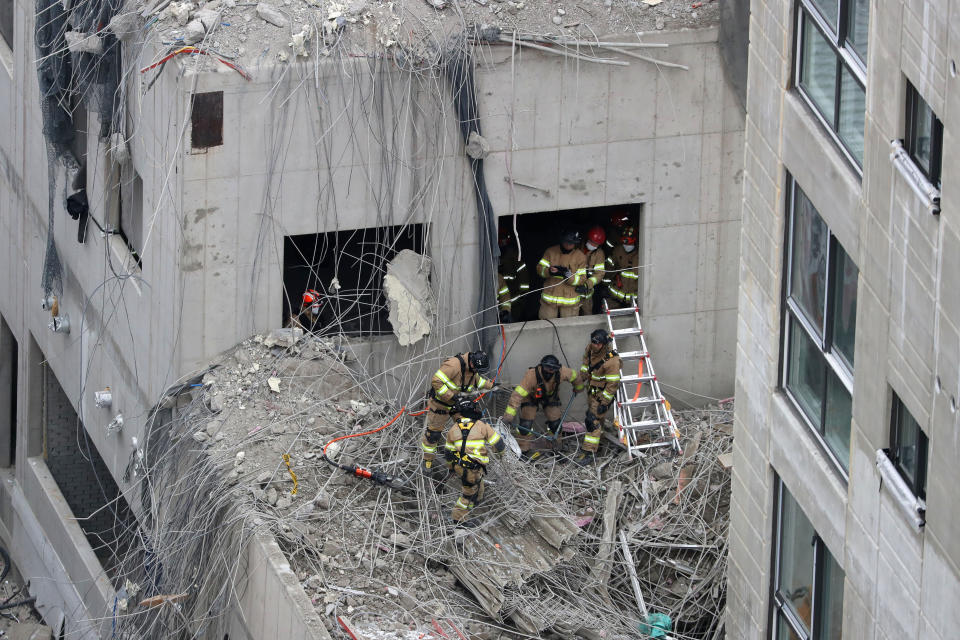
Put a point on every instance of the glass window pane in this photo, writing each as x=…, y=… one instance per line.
x=829, y=10
x=858, y=15
x=818, y=70
x=830, y=613
x=853, y=103
x=795, y=581
x=907, y=442
x=836, y=430
x=921, y=143
x=808, y=262
x=844, y=305
x=784, y=630
x=805, y=372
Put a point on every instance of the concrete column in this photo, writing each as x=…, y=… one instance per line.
x=30, y=416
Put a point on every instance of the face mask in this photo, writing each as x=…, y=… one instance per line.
x=591, y=246
x=629, y=247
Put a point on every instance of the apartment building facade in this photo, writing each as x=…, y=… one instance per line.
x=844, y=518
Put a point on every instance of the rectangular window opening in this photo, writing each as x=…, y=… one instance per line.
x=206, y=120
x=9, y=360
x=521, y=286
x=84, y=479
x=923, y=140
x=908, y=448
x=831, y=69
x=6, y=22
x=345, y=269
x=807, y=581
x=819, y=328
x=130, y=220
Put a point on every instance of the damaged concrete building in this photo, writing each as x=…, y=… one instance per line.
x=174, y=177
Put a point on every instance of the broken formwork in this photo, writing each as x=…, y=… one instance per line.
x=244, y=455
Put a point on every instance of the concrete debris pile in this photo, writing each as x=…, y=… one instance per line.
x=290, y=29
x=257, y=435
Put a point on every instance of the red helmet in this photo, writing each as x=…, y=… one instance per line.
x=628, y=235
x=310, y=297
x=619, y=220
x=504, y=235
x=596, y=236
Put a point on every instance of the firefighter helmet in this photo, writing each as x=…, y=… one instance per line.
x=628, y=235
x=504, y=235
x=570, y=236
x=466, y=408
x=311, y=297
x=596, y=236
x=599, y=336
x=550, y=363
x=479, y=361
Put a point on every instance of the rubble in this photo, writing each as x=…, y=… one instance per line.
x=547, y=557
x=412, y=301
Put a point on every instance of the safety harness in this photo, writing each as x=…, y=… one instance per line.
x=462, y=457
x=540, y=394
x=594, y=367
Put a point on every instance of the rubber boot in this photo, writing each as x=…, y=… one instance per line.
x=585, y=458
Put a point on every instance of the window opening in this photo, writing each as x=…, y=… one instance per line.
x=9, y=351
x=819, y=326
x=924, y=136
x=908, y=448
x=831, y=67
x=521, y=285
x=83, y=478
x=6, y=22
x=807, y=587
x=206, y=118
x=344, y=270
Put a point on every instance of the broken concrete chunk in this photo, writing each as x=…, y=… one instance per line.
x=283, y=337
x=274, y=384
x=284, y=502
x=662, y=471
x=83, y=42
x=238, y=460
x=437, y=4
x=360, y=408
x=272, y=496
x=477, y=146
x=272, y=15
x=299, y=41
x=193, y=32
x=322, y=499
x=209, y=19
x=410, y=298
x=401, y=540
x=179, y=12
x=214, y=427
x=201, y=436
x=124, y=25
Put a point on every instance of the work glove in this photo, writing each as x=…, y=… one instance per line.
x=505, y=317
x=582, y=289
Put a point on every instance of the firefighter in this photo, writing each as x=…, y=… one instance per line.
x=617, y=222
x=596, y=266
x=456, y=379
x=514, y=271
x=601, y=371
x=504, y=300
x=564, y=270
x=539, y=389
x=467, y=453
x=308, y=318
x=623, y=290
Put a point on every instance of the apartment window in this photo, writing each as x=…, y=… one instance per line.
x=924, y=136
x=908, y=449
x=820, y=326
x=807, y=581
x=831, y=69
x=6, y=22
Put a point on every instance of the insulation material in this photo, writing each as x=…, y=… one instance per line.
x=412, y=303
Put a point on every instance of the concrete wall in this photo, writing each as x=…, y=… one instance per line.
x=382, y=148
x=898, y=583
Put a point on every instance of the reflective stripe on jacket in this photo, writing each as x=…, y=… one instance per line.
x=448, y=381
x=479, y=438
x=524, y=391
x=602, y=373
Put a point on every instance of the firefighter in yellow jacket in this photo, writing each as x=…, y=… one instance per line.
x=504, y=300
x=539, y=388
x=454, y=380
x=564, y=271
x=601, y=371
x=467, y=452
x=626, y=276
x=596, y=266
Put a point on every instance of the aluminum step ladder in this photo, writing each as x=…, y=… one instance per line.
x=641, y=413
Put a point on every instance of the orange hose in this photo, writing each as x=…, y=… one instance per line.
x=365, y=433
x=639, y=374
